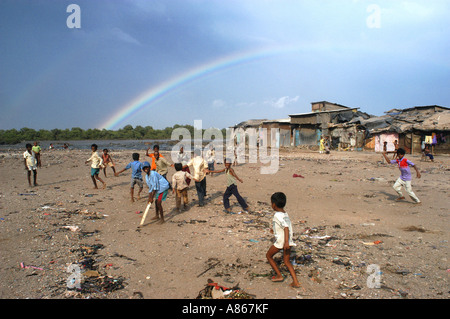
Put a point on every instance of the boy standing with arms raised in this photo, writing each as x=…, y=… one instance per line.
x=282, y=229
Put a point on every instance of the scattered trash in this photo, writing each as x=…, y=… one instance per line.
x=376, y=242
x=138, y=295
x=415, y=228
x=192, y=221
x=209, y=268
x=214, y=291
x=90, y=215
x=85, y=234
x=90, y=250
x=72, y=228
x=91, y=273
x=298, y=175
x=319, y=237
x=103, y=284
x=23, y=266
x=314, y=275
x=368, y=224
x=304, y=259
x=94, y=280
x=399, y=292
x=122, y=256
x=345, y=286
x=339, y=261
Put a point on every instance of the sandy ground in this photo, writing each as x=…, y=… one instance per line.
x=348, y=227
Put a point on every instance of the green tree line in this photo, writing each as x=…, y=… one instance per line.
x=128, y=132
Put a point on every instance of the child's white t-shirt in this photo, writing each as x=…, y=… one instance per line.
x=280, y=221
x=31, y=159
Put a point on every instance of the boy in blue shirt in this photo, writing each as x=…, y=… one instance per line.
x=158, y=188
x=136, y=175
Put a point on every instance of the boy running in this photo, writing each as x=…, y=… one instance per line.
x=282, y=229
x=405, y=175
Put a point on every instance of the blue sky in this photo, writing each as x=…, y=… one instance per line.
x=376, y=55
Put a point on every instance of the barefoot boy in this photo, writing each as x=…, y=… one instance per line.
x=200, y=167
x=158, y=188
x=37, y=151
x=29, y=159
x=405, y=175
x=282, y=229
x=231, y=187
x=180, y=186
x=136, y=175
x=96, y=162
x=107, y=161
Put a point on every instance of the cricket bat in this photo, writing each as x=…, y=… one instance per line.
x=145, y=213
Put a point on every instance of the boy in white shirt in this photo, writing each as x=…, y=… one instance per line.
x=29, y=159
x=200, y=167
x=210, y=159
x=96, y=163
x=282, y=229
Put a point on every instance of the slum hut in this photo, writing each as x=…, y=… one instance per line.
x=239, y=133
x=347, y=137
x=377, y=130
x=309, y=127
x=411, y=127
x=276, y=133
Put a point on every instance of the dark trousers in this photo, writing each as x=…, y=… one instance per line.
x=201, y=191
x=233, y=190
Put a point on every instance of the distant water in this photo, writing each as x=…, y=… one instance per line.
x=113, y=145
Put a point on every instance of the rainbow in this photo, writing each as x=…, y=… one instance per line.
x=158, y=92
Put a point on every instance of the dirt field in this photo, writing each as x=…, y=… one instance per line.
x=348, y=227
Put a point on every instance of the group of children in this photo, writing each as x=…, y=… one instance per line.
x=159, y=186
x=155, y=175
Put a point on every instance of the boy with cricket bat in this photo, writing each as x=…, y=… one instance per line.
x=158, y=189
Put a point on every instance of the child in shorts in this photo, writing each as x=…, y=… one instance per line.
x=405, y=175
x=107, y=161
x=282, y=229
x=180, y=186
x=136, y=175
x=29, y=159
x=37, y=151
x=158, y=189
x=96, y=162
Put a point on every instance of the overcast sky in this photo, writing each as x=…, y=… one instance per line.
x=376, y=55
